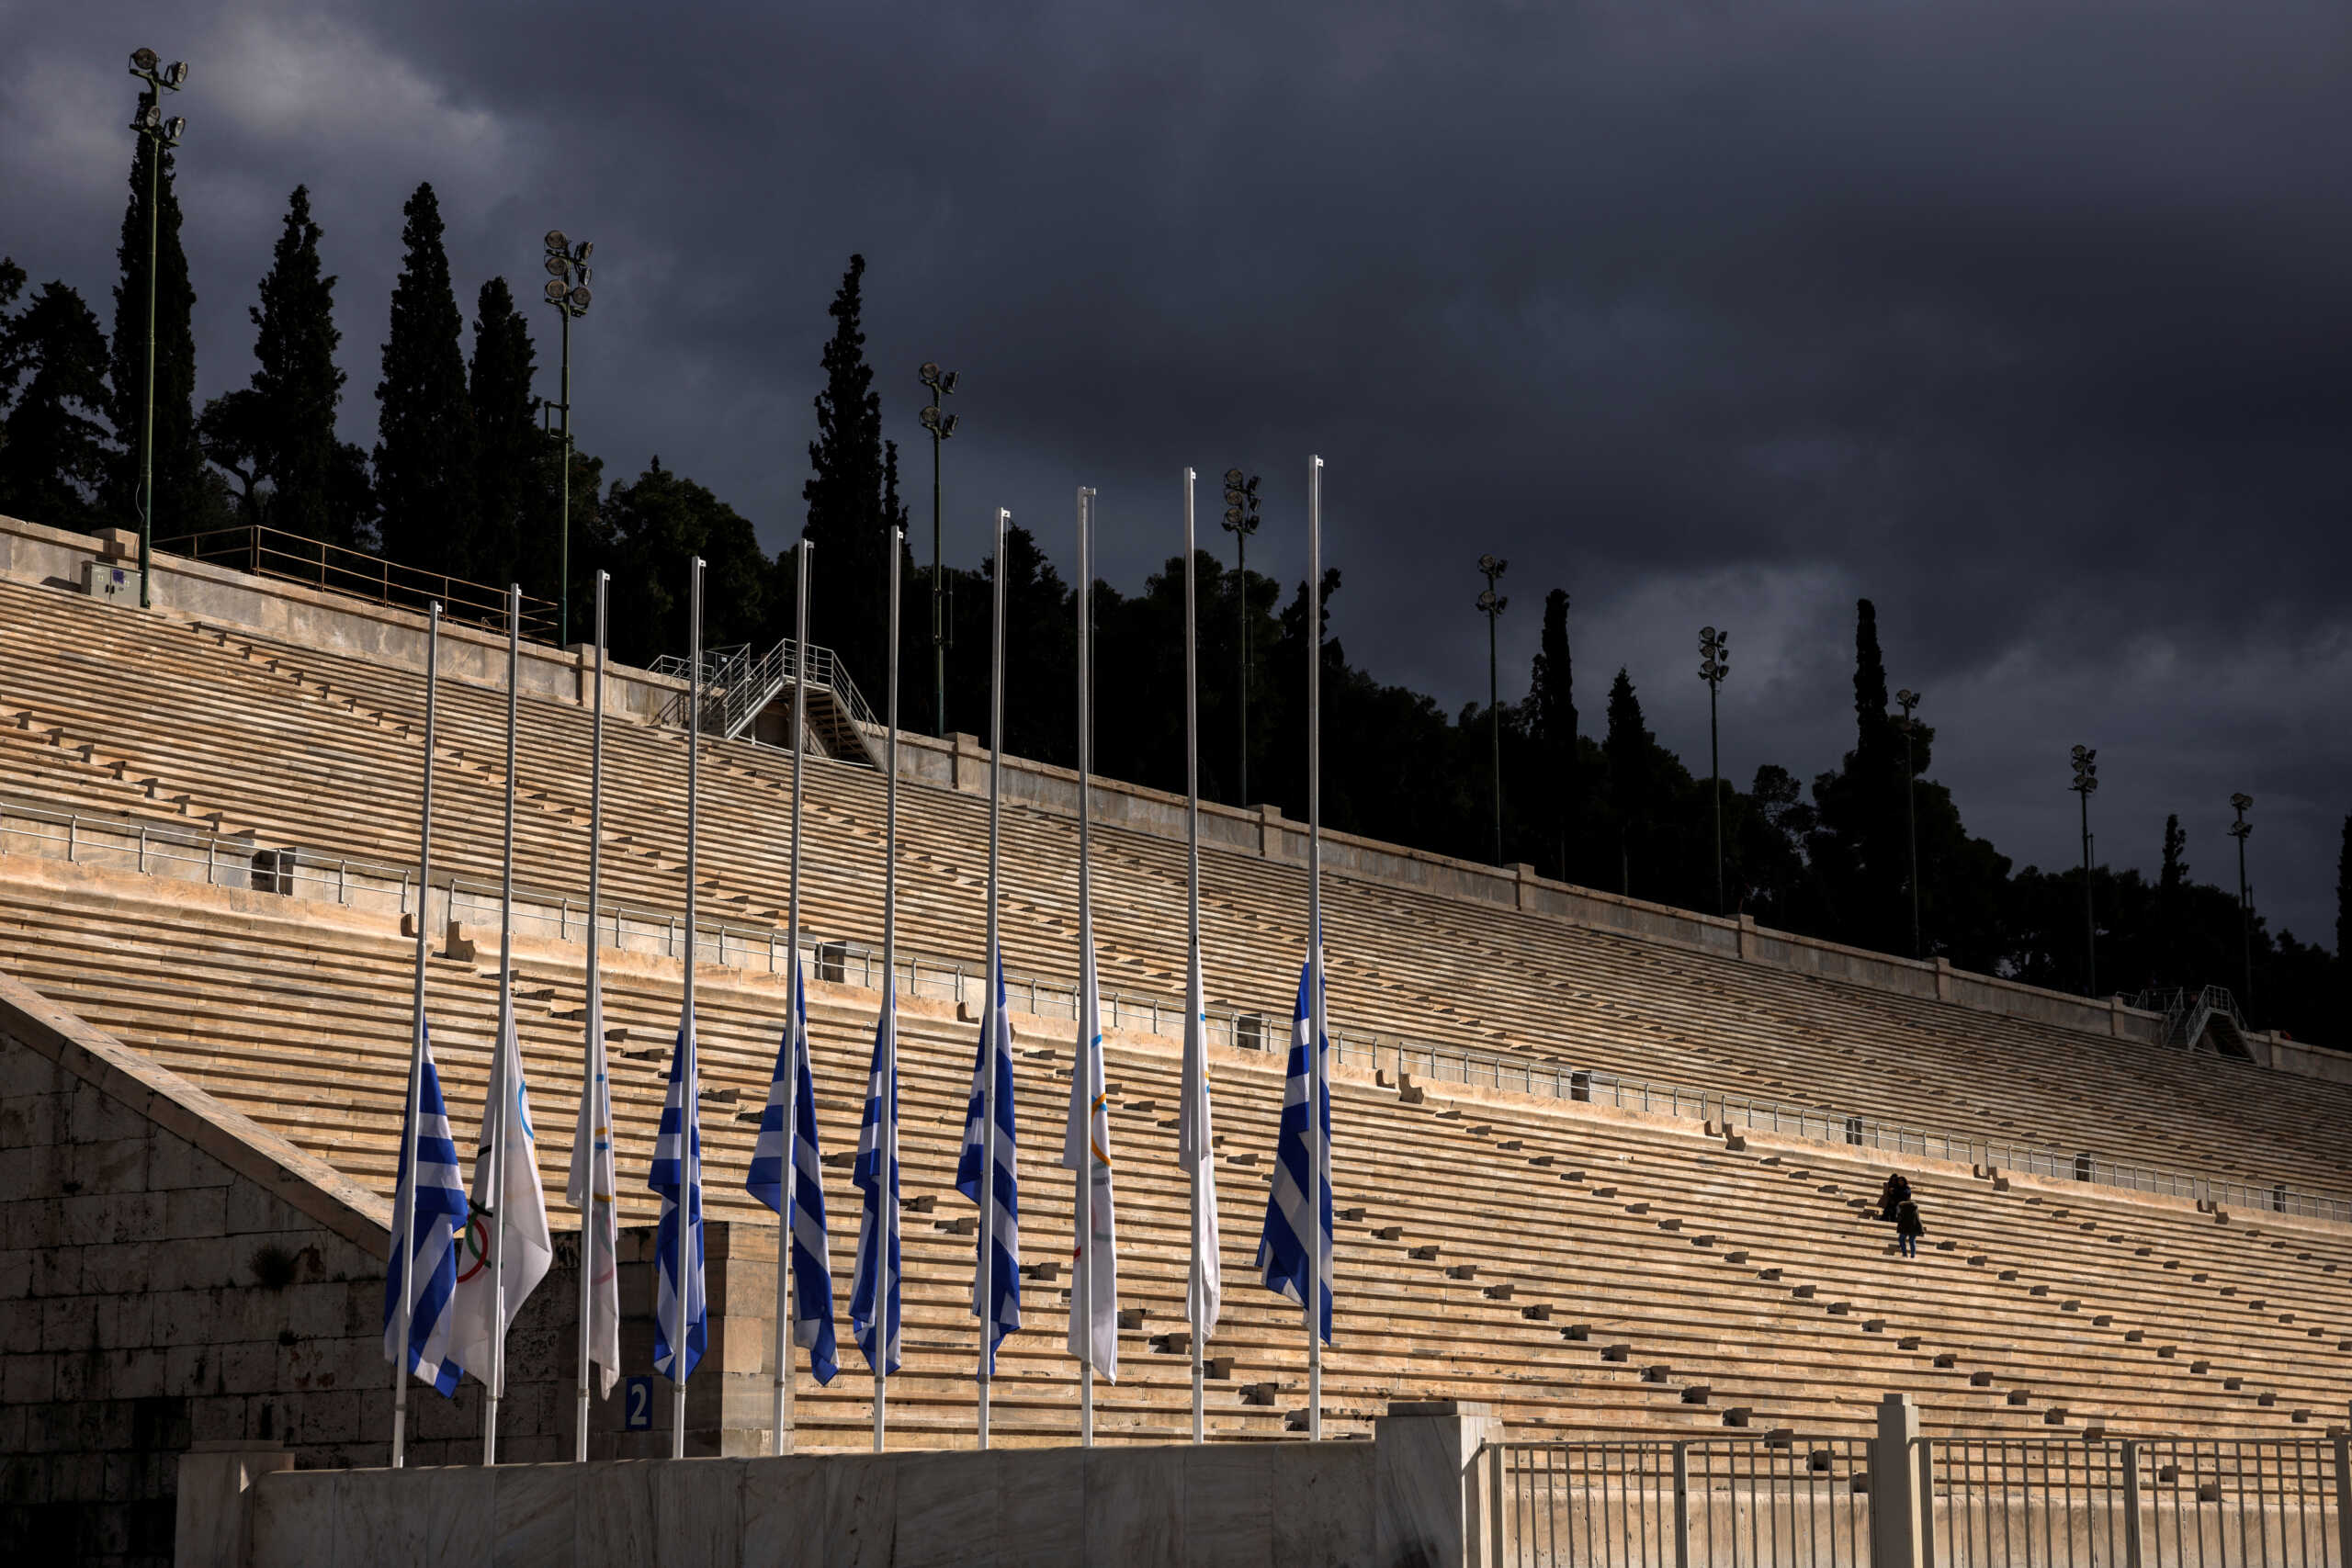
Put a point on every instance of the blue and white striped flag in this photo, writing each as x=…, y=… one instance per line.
x=679, y=1314
x=878, y=1225
x=812, y=1276
x=429, y=1159
x=1281, y=1253
x=996, y=1271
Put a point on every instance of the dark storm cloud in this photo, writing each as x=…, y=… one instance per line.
x=2029, y=320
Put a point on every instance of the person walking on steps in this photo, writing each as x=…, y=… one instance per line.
x=1893, y=1196
x=1907, y=1229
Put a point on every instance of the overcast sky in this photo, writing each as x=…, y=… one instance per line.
x=2031, y=321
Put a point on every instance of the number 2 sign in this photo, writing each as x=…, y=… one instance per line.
x=637, y=1405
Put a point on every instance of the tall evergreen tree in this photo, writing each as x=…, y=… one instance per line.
x=656, y=524
x=2172, y=880
x=2344, y=897
x=1627, y=750
x=424, y=475
x=1551, y=690
x=280, y=430
x=852, y=501
x=187, y=498
x=54, y=444
x=508, y=468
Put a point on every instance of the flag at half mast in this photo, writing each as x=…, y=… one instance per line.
x=1196, y=1151
x=520, y=1213
x=878, y=1227
x=681, y=1316
x=996, y=1271
x=1282, y=1247
x=1086, y=1148
x=589, y=1187
x=812, y=1277
x=427, y=1267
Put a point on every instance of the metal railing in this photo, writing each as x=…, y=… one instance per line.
x=736, y=686
x=167, y=848
x=2136, y=1503
x=314, y=563
x=1737, y=1502
x=2088, y=1502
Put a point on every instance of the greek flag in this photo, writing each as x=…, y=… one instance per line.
x=878, y=1225
x=1086, y=1148
x=801, y=1184
x=1281, y=1252
x=429, y=1167
x=1196, y=1151
x=479, y=1325
x=679, y=1314
x=590, y=1187
x=996, y=1272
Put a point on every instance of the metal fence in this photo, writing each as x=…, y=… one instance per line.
x=174, y=849
x=2143, y=1503
x=1983, y=1503
x=292, y=558
x=1740, y=1503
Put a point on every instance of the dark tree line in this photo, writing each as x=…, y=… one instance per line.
x=464, y=479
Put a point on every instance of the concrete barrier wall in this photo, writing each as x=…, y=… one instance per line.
x=1297, y=1505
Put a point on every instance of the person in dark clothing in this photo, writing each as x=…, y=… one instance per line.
x=1907, y=1229
x=1892, y=1197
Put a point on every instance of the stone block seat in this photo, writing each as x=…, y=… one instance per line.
x=1586, y=1271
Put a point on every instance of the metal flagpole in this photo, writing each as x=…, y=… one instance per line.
x=1313, y=1241
x=404, y=1218
x=780, y=1417
x=588, y=1225
x=1082, y=1217
x=887, y=1205
x=689, y=1168
x=495, y=1230
x=1195, y=1003
x=994, y=1010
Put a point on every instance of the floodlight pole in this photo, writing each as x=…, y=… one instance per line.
x=2239, y=831
x=566, y=290
x=159, y=134
x=942, y=425
x=1242, y=521
x=2086, y=781
x=1491, y=604
x=1715, y=663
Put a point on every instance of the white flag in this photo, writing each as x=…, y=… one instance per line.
x=590, y=1188
x=1085, y=1149
x=521, y=1213
x=1196, y=1150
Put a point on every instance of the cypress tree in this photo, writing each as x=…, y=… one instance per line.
x=1870, y=683
x=1553, y=686
x=424, y=477
x=850, y=501
x=1627, y=749
x=186, y=497
x=289, y=421
x=508, y=468
x=54, y=450
x=2344, y=895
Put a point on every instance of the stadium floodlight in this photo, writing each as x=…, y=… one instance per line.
x=2241, y=803
x=1908, y=700
x=161, y=135
x=1242, y=521
x=587, y=248
x=566, y=290
x=1715, y=664
x=2086, y=761
x=942, y=424
x=1491, y=604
